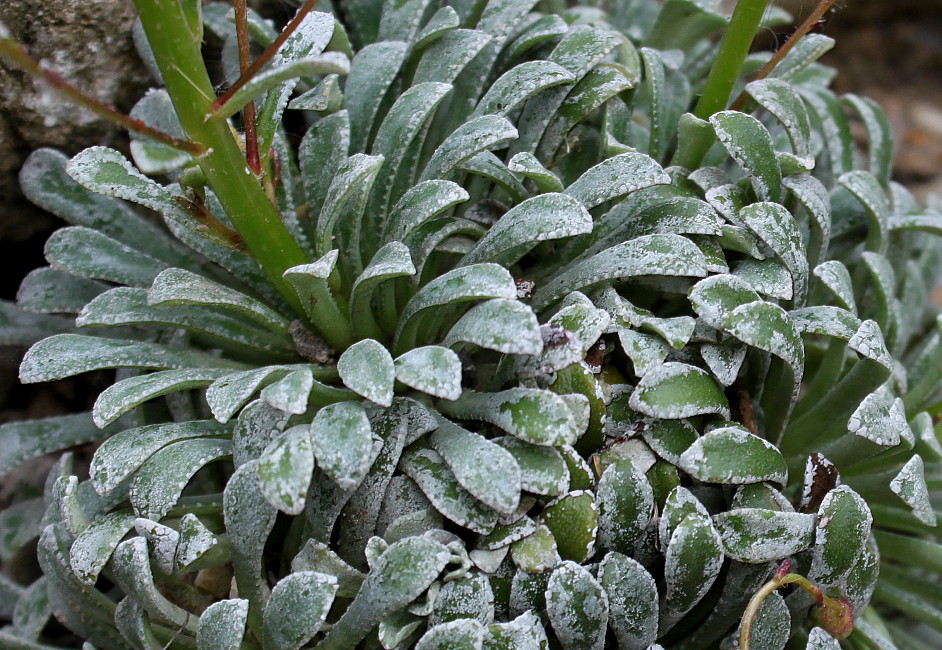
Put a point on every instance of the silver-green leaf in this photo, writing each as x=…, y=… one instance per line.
x=297, y=608
x=367, y=369
x=734, y=455
x=578, y=607
x=343, y=443
x=285, y=468
x=757, y=535
x=432, y=369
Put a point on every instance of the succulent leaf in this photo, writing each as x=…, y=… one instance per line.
x=298, y=605
x=222, y=625
x=538, y=353
x=577, y=606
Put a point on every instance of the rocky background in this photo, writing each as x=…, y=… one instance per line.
x=891, y=51
x=87, y=41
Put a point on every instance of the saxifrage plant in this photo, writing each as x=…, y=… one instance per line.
x=512, y=351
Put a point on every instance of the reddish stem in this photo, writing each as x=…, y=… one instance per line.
x=208, y=222
x=245, y=62
x=802, y=29
x=783, y=569
x=276, y=175
x=269, y=52
x=15, y=53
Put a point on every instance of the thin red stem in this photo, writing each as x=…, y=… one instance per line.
x=15, y=53
x=269, y=52
x=783, y=569
x=245, y=62
x=800, y=31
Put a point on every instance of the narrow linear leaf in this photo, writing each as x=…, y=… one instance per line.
x=373, y=69
x=123, y=453
x=46, y=183
x=108, y=172
x=445, y=58
x=421, y=203
x=91, y=254
x=520, y=83
x=48, y=291
x=393, y=260
x=124, y=395
x=476, y=135
x=160, y=481
x=65, y=355
x=181, y=287
x=21, y=441
x=616, y=177
x=663, y=255
x=310, y=281
x=543, y=218
x=327, y=63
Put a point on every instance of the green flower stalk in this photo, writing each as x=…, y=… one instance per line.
x=176, y=47
x=729, y=59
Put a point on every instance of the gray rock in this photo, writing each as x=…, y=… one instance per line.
x=87, y=42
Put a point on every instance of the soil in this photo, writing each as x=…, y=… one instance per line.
x=892, y=52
